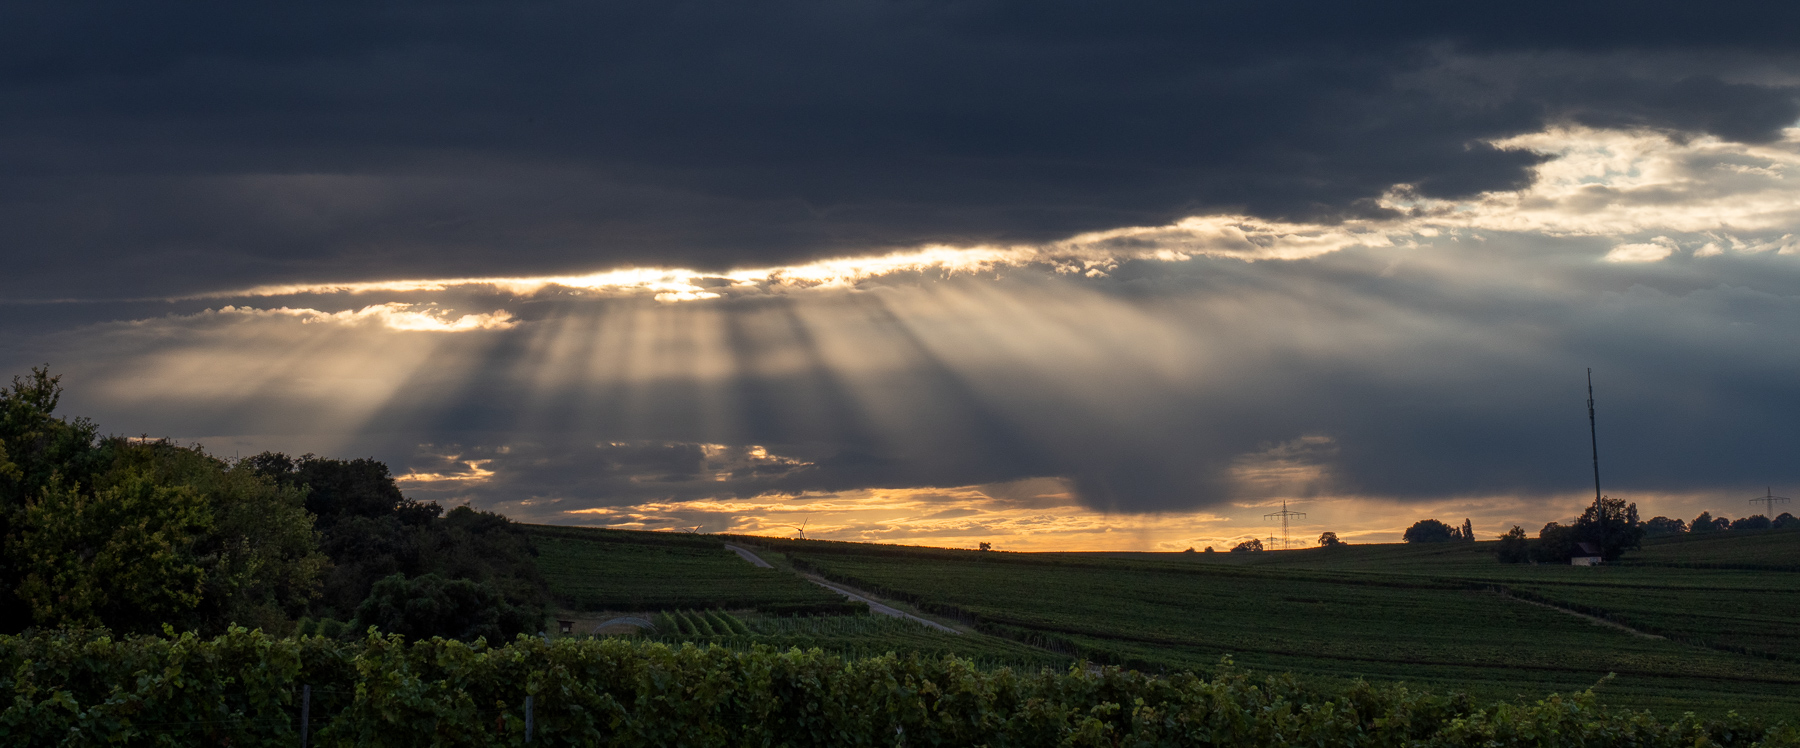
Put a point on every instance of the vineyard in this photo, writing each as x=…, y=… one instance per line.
x=1768, y=549
x=245, y=689
x=1444, y=617
x=850, y=636
x=594, y=570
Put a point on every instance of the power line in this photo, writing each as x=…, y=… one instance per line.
x=1285, y=515
x=1769, y=500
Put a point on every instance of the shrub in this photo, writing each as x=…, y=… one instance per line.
x=450, y=608
x=1513, y=547
x=242, y=689
x=1431, y=531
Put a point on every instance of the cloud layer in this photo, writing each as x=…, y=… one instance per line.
x=174, y=151
x=1217, y=362
x=922, y=270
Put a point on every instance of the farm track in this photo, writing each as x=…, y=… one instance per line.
x=748, y=556
x=1596, y=620
x=875, y=606
x=1163, y=641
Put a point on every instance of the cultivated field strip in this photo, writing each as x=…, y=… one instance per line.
x=1415, y=628
x=626, y=576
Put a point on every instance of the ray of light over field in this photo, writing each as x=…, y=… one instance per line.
x=1148, y=388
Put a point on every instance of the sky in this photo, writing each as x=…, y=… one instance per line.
x=1048, y=275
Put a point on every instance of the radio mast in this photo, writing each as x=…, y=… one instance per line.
x=1594, y=436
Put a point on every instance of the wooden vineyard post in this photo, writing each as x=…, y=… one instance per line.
x=305, y=714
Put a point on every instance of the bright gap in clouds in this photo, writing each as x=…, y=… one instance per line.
x=1143, y=388
x=1721, y=196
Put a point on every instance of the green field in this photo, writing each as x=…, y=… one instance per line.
x=610, y=570
x=1713, y=632
x=1444, y=616
x=1757, y=550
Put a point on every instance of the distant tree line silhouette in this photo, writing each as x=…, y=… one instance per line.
x=1662, y=527
x=1608, y=528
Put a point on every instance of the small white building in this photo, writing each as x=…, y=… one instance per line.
x=1586, y=554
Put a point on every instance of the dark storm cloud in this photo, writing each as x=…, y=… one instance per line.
x=154, y=150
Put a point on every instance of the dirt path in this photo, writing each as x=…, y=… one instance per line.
x=748, y=556
x=874, y=605
x=1596, y=620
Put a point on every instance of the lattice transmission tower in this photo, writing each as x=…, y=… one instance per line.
x=1769, y=500
x=1286, y=515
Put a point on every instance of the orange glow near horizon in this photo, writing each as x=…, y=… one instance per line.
x=1042, y=515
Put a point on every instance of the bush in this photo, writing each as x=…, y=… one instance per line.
x=1662, y=527
x=1752, y=522
x=1431, y=531
x=242, y=689
x=450, y=608
x=1707, y=523
x=1513, y=547
x=1249, y=546
x=1555, y=544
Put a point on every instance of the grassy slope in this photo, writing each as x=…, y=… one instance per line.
x=1393, y=612
x=638, y=572
x=621, y=571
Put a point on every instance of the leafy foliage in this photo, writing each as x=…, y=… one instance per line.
x=242, y=689
x=1513, y=547
x=38, y=452
x=1431, y=531
x=132, y=535
x=1661, y=527
x=1611, y=525
x=1707, y=523
x=431, y=605
x=371, y=531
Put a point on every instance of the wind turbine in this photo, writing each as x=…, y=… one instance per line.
x=801, y=527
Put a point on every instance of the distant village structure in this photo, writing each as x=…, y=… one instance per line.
x=1587, y=554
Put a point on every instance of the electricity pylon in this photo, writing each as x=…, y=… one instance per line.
x=1285, y=516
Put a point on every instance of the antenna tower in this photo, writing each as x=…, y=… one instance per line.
x=1594, y=439
x=1769, y=500
x=1285, y=515
x=1594, y=436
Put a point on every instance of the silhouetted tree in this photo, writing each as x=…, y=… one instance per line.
x=1611, y=525
x=1784, y=520
x=1430, y=531
x=1555, y=543
x=1513, y=547
x=1330, y=540
x=1662, y=527
x=1249, y=546
x=1468, y=531
x=1707, y=523
x=1752, y=522
x=39, y=453
x=451, y=608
